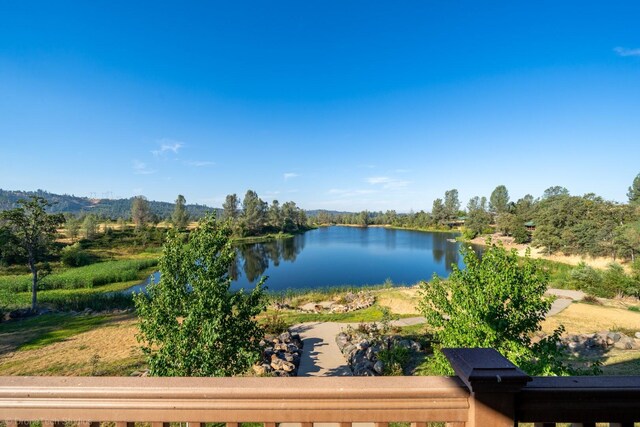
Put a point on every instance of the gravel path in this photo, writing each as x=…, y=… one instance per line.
x=321, y=357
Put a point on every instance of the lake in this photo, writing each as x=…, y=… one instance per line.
x=334, y=256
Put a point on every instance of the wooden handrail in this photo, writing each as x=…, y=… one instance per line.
x=489, y=391
x=332, y=399
x=580, y=400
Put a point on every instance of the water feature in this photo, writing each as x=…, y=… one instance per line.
x=334, y=256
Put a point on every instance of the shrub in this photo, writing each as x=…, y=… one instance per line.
x=587, y=279
x=74, y=256
x=497, y=301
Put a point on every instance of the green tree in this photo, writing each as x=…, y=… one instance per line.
x=627, y=238
x=478, y=218
x=499, y=200
x=230, y=208
x=72, y=226
x=555, y=191
x=254, y=212
x=34, y=231
x=140, y=212
x=634, y=191
x=275, y=215
x=438, y=213
x=180, y=216
x=363, y=219
x=90, y=226
x=451, y=204
x=496, y=301
x=191, y=324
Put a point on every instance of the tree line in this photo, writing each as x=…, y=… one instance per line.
x=253, y=216
x=557, y=221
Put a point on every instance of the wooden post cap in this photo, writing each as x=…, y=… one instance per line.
x=484, y=370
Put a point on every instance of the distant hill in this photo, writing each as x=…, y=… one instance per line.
x=109, y=208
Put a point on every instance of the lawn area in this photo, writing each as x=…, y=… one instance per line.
x=73, y=345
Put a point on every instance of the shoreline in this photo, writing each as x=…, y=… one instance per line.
x=600, y=263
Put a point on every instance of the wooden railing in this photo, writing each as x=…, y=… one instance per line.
x=488, y=391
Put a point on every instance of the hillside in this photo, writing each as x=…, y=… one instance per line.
x=109, y=208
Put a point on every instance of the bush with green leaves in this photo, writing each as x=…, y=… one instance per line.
x=74, y=256
x=497, y=301
x=191, y=323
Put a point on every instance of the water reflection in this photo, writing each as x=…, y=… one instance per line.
x=254, y=259
x=336, y=256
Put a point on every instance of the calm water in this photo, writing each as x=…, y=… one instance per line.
x=334, y=256
x=331, y=256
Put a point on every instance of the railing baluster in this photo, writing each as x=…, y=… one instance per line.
x=196, y=425
x=345, y=424
x=125, y=424
x=381, y=424
x=455, y=424
x=233, y=424
x=418, y=424
x=269, y=424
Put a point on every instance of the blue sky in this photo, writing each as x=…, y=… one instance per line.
x=335, y=105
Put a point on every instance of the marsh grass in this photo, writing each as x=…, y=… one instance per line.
x=89, y=276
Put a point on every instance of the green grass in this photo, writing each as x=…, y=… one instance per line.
x=49, y=329
x=89, y=276
x=66, y=328
x=371, y=314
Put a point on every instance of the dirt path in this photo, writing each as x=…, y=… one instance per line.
x=565, y=298
x=320, y=356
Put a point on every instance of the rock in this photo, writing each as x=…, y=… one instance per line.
x=404, y=344
x=614, y=336
x=296, y=340
x=342, y=339
x=259, y=370
x=279, y=373
x=363, y=345
x=285, y=337
x=415, y=346
x=638, y=335
x=281, y=365
x=267, y=367
x=378, y=367
x=291, y=348
x=348, y=349
x=281, y=347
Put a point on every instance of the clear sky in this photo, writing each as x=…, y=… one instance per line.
x=344, y=105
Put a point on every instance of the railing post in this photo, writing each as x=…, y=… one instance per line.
x=493, y=382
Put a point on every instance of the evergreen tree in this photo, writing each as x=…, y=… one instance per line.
x=230, y=208
x=140, y=213
x=499, y=200
x=253, y=212
x=180, y=216
x=634, y=191
x=451, y=204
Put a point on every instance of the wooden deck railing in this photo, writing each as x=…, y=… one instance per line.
x=489, y=391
